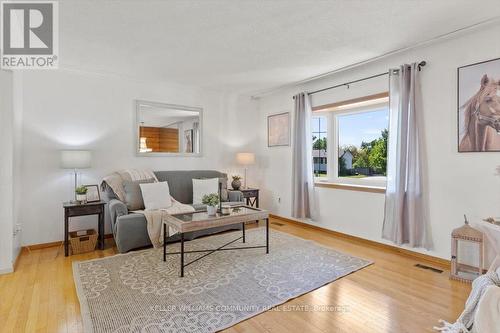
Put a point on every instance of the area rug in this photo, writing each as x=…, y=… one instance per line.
x=138, y=292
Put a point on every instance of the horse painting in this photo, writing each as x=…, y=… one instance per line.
x=481, y=118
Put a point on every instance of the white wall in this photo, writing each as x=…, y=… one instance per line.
x=73, y=110
x=6, y=171
x=241, y=134
x=17, y=104
x=459, y=184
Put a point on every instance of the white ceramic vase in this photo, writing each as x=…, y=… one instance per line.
x=212, y=210
x=81, y=198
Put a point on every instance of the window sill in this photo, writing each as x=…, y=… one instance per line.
x=351, y=187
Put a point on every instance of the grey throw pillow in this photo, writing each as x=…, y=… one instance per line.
x=133, y=194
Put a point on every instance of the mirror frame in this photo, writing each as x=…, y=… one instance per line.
x=139, y=102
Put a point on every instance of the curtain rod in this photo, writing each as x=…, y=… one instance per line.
x=420, y=65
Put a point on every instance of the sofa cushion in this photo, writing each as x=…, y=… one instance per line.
x=133, y=194
x=181, y=182
x=156, y=195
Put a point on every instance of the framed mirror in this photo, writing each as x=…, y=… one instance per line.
x=168, y=129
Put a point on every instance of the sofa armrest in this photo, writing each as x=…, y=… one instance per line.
x=235, y=196
x=131, y=232
x=116, y=209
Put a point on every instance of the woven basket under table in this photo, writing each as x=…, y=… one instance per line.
x=83, y=243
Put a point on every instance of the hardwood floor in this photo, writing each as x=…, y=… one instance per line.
x=389, y=296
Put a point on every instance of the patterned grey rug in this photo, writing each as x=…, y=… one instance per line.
x=138, y=292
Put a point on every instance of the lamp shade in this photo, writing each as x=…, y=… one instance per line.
x=75, y=159
x=245, y=158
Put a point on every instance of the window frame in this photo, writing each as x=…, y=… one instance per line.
x=327, y=115
x=333, y=141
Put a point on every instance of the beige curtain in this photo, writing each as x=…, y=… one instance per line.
x=405, y=220
x=302, y=170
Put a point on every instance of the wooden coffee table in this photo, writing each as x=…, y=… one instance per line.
x=200, y=220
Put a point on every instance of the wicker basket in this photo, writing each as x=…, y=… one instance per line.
x=85, y=242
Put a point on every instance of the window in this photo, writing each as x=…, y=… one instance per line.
x=319, y=138
x=358, y=133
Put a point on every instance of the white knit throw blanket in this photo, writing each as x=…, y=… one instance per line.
x=466, y=320
x=116, y=179
x=155, y=219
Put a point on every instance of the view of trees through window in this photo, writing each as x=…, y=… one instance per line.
x=363, y=144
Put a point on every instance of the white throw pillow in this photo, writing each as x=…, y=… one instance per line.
x=156, y=195
x=203, y=187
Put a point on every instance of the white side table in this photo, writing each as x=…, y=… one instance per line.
x=492, y=246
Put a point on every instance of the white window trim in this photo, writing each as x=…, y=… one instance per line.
x=332, y=154
x=328, y=115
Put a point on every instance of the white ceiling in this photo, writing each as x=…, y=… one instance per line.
x=247, y=46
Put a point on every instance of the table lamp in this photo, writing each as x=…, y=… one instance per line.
x=75, y=159
x=245, y=159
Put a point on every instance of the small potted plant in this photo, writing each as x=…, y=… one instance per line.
x=236, y=183
x=81, y=194
x=211, y=200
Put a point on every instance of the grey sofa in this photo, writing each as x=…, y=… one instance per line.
x=129, y=229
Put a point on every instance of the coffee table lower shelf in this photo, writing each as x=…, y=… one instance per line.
x=221, y=248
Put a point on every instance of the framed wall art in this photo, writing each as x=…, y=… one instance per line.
x=93, y=194
x=188, y=141
x=278, y=129
x=479, y=107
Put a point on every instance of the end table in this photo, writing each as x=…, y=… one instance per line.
x=251, y=196
x=91, y=208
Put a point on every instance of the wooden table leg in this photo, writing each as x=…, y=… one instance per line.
x=66, y=222
x=101, y=231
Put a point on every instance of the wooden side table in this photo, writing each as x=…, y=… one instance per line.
x=251, y=196
x=91, y=208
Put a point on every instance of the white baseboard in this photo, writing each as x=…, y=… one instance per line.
x=6, y=270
